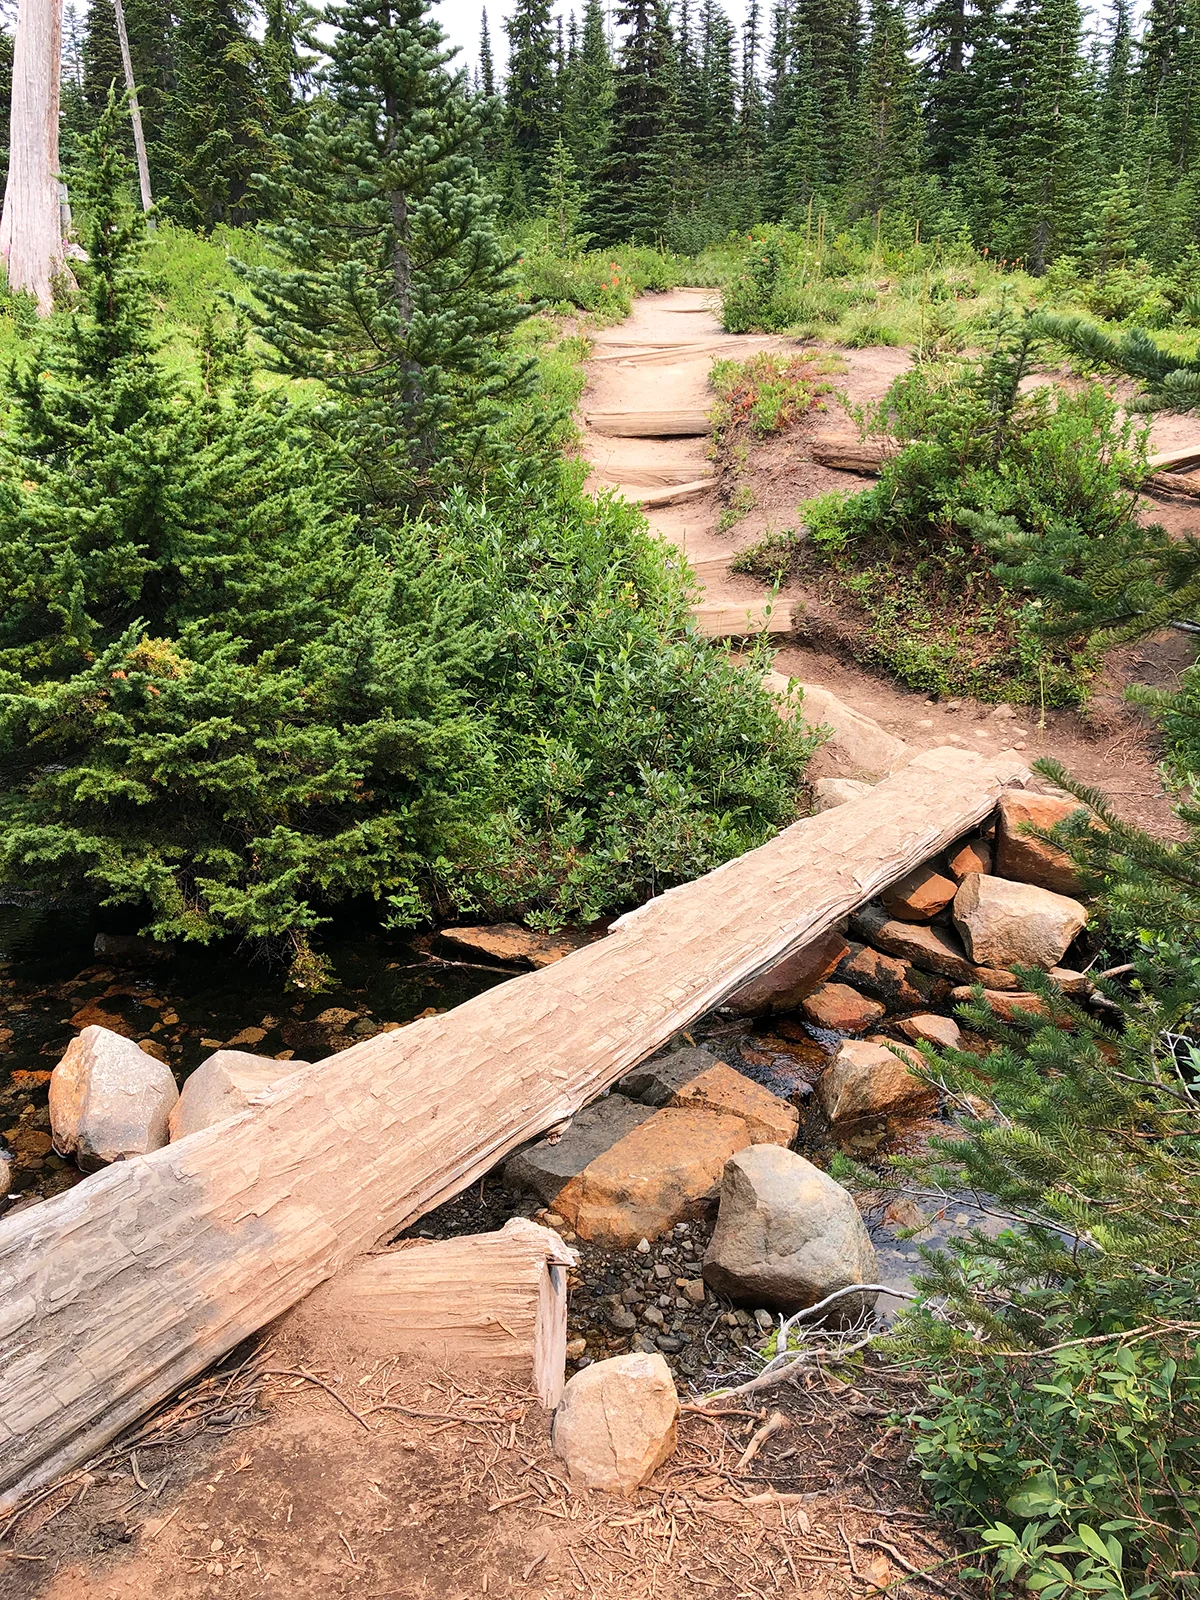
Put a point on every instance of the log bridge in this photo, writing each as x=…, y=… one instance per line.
x=118, y=1291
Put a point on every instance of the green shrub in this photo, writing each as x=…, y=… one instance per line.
x=633, y=754
x=985, y=469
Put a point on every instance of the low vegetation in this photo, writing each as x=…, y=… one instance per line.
x=992, y=486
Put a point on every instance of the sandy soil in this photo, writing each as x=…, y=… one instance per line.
x=439, y=1488
x=658, y=360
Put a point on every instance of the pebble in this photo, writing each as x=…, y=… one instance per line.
x=653, y=1316
x=694, y=1289
x=765, y=1320
x=661, y=1270
x=670, y=1343
x=553, y=1220
x=622, y=1321
x=643, y=1247
x=576, y=1348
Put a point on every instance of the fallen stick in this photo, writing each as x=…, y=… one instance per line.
x=772, y=1425
x=116, y=1292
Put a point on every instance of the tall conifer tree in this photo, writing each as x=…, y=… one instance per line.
x=392, y=288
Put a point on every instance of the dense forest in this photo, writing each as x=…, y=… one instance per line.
x=1033, y=129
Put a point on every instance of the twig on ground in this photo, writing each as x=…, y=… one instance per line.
x=301, y=1372
x=773, y=1424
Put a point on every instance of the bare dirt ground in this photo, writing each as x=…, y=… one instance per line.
x=659, y=360
x=340, y=1476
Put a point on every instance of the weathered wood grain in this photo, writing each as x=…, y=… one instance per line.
x=486, y=1300
x=648, y=424
x=848, y=454
x=117, y=1291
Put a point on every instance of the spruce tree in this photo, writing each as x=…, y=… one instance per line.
x=834, y=32
x=389, y=285
x=587, y=110
x=751, y=111
x=487, y=68
x=217, y=705
x=717, y=134
x=888, y=146
x=218, y=117
x=530, y=91
x=630, y=190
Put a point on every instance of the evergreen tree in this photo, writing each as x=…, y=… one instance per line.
x=587, y=109
x=391, y=287
x=487, y=69
x=218, y=133
x=833, y=29
x=717, y=133
x=888, y=147
x=102, y=67
x=530, y=91
x=630, y=193
x=751, y=111
x=1043, y=136
x=216, y=704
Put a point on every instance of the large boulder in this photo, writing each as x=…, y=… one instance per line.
x=1029, y=860
x=616, y=1422
x=1006, y=924
x=770, y=1119
x=787, y=1235
x=224, y=1085
x=665, y=1170
x=841, y=1009
x=858, y=747
x=783, y=986
x=109, y=1100
x=932, y=949
x=867, y=1079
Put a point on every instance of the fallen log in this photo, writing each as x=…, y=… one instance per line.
x=1185, y=460
x=1187, y=484
x=847, y=454
x=488, y=1300
x=717, y=621
x=648, y=424
x=116, y=1292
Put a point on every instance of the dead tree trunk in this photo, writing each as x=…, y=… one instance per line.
x=135, y=112
x=31, y=240
x=122, y=1288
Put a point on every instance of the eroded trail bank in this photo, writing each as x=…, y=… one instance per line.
x=644, y=419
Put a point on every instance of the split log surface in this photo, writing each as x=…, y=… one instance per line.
x=492, y=1300
x=648, y=424
x=119, y=1290
x=1185, y=460
x=846, y=454
x=1183, y=483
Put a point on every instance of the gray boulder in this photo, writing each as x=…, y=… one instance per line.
x=109, y=1100
x=787, y=1235
x=654, y=1082
x=549, y=1165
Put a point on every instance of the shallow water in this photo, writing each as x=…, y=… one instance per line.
x=185, y=1007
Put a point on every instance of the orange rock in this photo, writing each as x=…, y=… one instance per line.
x=509, y=942
x=1009, y=1006
x=933, y=1030
x=1029, y=860
x=974, y=856
x=769, y=1119
x=94, y=1016
x=839, y=1007
x=791, y=980
x=870, y=1080
x=919, y=895
x=667, y=1170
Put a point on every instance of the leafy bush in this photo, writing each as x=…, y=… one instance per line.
x=632, y=754
x=769, y=392
x=984, y=467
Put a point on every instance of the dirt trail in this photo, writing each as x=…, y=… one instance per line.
x=650, y=373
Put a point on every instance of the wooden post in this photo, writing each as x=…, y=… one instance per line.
x=119, y=1290
x=135, y=113
x=31, y=240
x=487, y=1300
